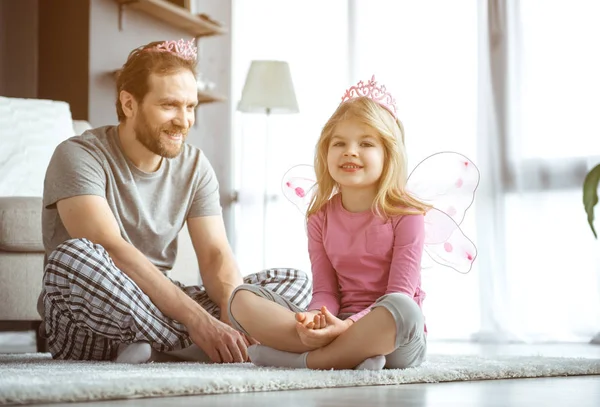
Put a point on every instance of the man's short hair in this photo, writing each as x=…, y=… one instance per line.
x=141, y=63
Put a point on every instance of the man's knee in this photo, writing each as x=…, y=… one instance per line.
x=407, y=315
x=301, y=275
x=75, y=249
x=292, y=284
x=275, y=275
x=75, y=256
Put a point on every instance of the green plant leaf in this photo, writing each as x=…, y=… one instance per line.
x=590, y=194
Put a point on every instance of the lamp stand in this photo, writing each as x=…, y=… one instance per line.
x=266, y=188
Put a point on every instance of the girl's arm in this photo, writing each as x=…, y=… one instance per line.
x=405, y=269
x=325, y=283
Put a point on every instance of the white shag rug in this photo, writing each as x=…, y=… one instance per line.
x=36, y=378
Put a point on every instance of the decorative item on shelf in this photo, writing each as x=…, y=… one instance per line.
x=268, y=89
x=206, y=17
x=173, y=14
x=186, y=4
x=205, y=85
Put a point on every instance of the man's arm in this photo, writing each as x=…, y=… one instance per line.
x=219, y=271
x=90, y=217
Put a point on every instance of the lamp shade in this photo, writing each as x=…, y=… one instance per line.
x=268, y=88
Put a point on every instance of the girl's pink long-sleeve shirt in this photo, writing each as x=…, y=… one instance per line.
x=358, y=257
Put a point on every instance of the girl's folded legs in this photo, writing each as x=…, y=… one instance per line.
x=262, y=355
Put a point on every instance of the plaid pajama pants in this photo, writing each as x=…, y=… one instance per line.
x=91, y=306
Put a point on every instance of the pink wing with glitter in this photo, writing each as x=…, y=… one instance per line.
x=445, y=180
x=448, y=182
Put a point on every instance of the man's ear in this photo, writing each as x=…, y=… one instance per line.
x=128, y=103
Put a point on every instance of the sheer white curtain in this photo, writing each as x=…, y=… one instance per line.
x=513, y=85
x=539, y=137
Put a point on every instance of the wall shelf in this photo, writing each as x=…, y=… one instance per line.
x=204, y=96
x=173, y=15
x=209, y=97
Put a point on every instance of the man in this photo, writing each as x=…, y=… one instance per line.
x=115, y=199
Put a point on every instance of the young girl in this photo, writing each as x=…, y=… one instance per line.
x=365, y=241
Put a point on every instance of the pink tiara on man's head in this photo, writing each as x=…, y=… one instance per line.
x=183, y=49
x=374, y=92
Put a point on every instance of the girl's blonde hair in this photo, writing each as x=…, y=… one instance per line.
x=392, y=199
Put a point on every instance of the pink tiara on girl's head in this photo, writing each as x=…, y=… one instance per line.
x=374, y=92
x=183, y=49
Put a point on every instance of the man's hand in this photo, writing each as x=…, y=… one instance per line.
x=221, y=342
x=326, y=332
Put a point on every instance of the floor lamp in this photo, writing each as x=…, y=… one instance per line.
x=268, y=90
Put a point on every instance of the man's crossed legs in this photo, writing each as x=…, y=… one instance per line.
x=93, y=310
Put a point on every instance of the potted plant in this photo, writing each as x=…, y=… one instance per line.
x=590, y=199
x=590, y=195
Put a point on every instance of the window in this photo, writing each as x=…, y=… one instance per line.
x=312, y=37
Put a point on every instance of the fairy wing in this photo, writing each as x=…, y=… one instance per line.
x=446, y=244
x=298, y=186
x=445, y=180
x=448, y=182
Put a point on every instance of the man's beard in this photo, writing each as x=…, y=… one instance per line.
x=151, y=137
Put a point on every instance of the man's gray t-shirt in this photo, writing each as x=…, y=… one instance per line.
x=150, y=208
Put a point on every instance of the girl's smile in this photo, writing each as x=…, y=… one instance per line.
x=355, y=155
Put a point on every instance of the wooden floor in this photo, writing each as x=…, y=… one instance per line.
x=581, y=391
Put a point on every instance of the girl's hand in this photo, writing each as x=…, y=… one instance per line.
x=318, y=319
x=308, y=319
x=321, y=336
x=319, y=322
